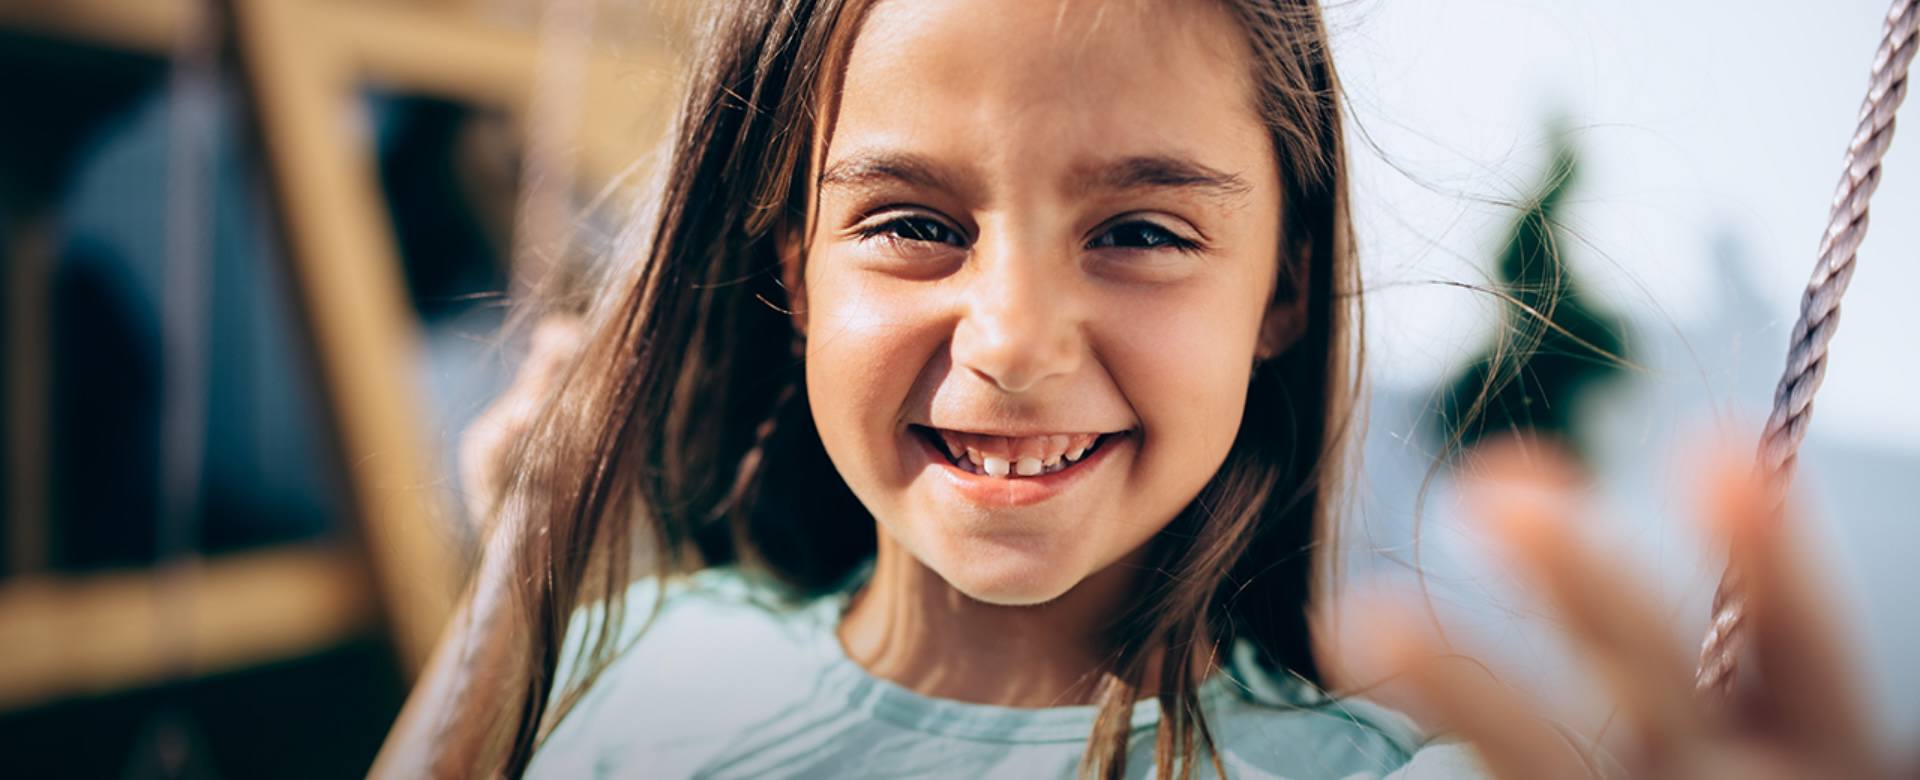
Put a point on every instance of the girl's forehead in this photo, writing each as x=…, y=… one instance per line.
x=1051, y=87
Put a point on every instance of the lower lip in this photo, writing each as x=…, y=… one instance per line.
x=1015, y=491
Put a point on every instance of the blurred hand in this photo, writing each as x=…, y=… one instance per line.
x=1796, y=715
x=486, y=443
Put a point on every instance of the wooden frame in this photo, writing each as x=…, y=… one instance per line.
x=303, y=62
x=81, y=636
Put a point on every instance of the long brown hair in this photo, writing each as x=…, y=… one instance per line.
x=681, y=438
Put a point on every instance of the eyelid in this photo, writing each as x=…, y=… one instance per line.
x=877, y=218
x=874, y=227
x=1180, y=228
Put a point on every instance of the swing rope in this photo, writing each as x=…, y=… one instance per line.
x=1819, y=316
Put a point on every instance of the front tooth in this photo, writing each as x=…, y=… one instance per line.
x=1075, y=453
x=1028, y=467
x=994, y=466
x=973, y=455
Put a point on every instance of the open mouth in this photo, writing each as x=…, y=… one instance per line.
x=1014, y=457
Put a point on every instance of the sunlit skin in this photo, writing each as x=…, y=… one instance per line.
x=1033, y=219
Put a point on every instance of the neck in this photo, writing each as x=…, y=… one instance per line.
x=909, y=626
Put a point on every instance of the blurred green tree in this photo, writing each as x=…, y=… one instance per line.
x=1553, y=343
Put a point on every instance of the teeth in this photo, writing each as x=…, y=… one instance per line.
x=994, y=466
x=955, y=447
x=1004, y=457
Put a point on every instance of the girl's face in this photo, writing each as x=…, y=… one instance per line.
x=1046, y=242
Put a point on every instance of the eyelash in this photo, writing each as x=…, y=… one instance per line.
x=1155, y=237
x=918, y=228
x=910, y=227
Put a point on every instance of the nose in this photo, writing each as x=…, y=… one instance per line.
x=1019, y=327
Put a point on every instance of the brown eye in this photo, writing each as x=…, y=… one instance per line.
x=1140, y=234
x=917, y=229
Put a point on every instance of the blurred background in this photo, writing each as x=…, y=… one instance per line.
x=258, y=252
x=257, y=258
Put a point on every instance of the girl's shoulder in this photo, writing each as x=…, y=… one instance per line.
x=705, y=618
x=721, y=648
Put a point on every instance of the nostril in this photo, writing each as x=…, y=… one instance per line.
x=993, y=380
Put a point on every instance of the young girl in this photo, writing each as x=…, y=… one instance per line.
x=975, y=410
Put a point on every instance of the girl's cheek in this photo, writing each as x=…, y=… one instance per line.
x=1183, y=357
x=1191, y=326
x=868, y=308
x=868, y=339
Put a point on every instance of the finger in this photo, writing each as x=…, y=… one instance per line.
x=481, y=455
x=1462, y=696
x=487, y=441
x=1805, y=682
x=554, y=344
x=1525, y=498
x=1737, y=762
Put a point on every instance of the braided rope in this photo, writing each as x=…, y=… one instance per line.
x=1819, y=316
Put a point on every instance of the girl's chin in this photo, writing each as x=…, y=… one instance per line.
x=1009, y=578
x=1013, y=594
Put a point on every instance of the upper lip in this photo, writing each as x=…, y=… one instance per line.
x=1015, y=433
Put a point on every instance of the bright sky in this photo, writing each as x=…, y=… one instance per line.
x=1698, y=121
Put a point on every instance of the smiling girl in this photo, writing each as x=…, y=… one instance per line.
x=975, y=409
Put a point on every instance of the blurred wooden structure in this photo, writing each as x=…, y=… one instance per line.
x=303, y=63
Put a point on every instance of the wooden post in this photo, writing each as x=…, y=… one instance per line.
x=29, y=314
x=352, y=295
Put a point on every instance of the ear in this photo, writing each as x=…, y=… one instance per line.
x=1286, y=318
x=793, y=277
x=1285, y=322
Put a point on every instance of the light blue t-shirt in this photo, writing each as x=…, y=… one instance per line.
x=728, y=683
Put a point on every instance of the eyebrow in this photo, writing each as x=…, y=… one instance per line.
x=1159, y=171
x=870, y=168
x=1139, y=172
